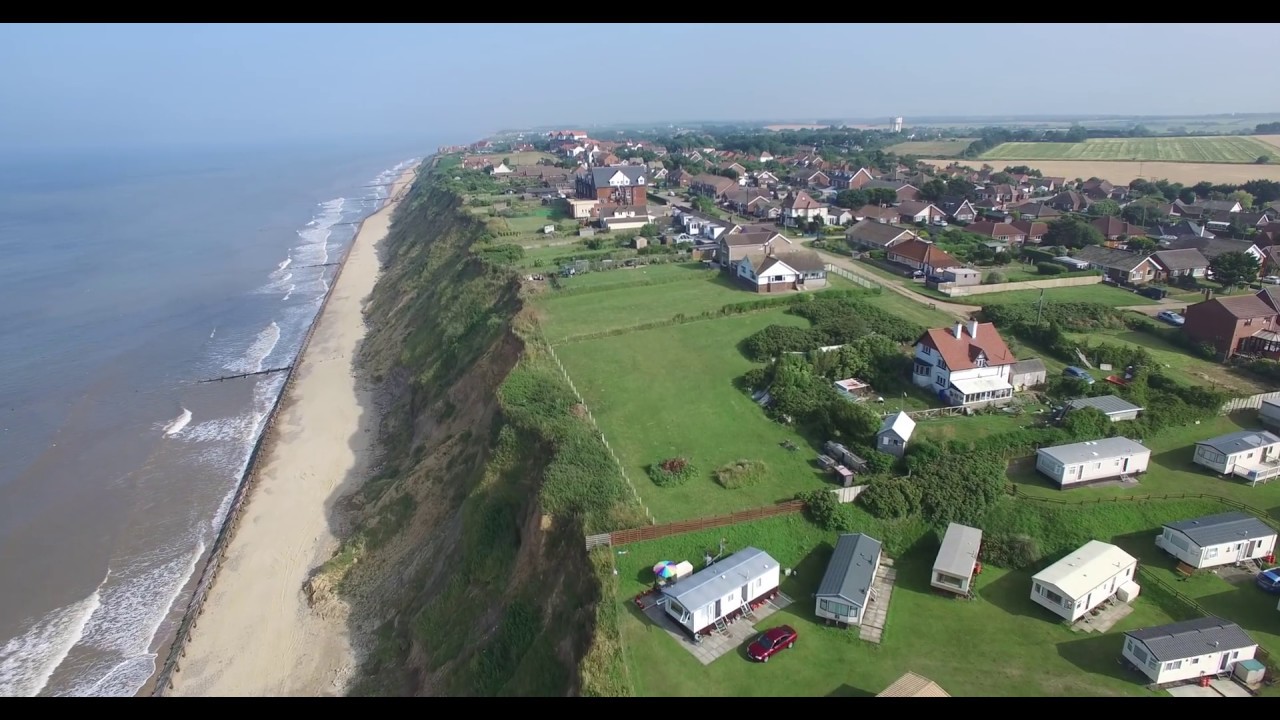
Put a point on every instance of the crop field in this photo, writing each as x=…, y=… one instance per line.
x=931, y=148
x=1123, y=173
x=1223, y=149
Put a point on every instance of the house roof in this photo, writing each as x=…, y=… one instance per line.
x=1222, y=528
x=1072, y=197
x=918, y=250
x=1211, y=247
x=851, y=569
x=1037, y=209
x=1243, y=307
x=600, y=176
x=801, y=200
x=1106, y=404
x=1241, y=440
x=1192, y=638
x=876, y=233
x=1105, y=448
x=875, y=211
x=720, y=183
x=1177, y=260
x=914, y=207
x=894, y=185
x=913, y=685
x=959, y=550
x=900, y=424
x=1122, y=260
x=802, y=260
x=1270, y=294
x=1111, y=226
x=962, y=353
x=714, y=582
x=1084, y=569
x=992, y=229
x=1030, y=228
x=1028, y=366
x=1219, y=204
x=744, y=239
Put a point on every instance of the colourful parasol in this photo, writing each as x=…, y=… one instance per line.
x=665, y=569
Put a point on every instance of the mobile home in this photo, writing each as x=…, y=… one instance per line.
x=1252, y=454
x=957, y=559
x=1084, y=579
x=845, y=589
x=1092, y=461
x=1188, y=650
x=1220, y=539
x=719, y=590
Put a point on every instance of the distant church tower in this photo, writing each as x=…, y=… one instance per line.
x=897, y=124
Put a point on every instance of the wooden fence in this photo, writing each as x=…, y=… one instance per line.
x=1253, y=402
x=653, y=532
x=931, y=412
x=851, y=277
x=1099, y=500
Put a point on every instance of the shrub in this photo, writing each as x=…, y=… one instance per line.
x=994, y=278
x=1011, y=551
x=671, y=472
x=892, y=497
x=740, y=474
x=1049, y=268
x=824, y=510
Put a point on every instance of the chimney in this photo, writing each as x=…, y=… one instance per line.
x=973, y=328
x=957, y=329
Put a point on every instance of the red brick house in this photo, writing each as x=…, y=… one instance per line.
x=1234, y=325
x=920, y=255
x=1033, y=232
x=1004, y=232
x=1112, y=228
x=716, y=187
x=615, y=185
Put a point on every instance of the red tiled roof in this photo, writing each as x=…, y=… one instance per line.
x=924, y=252
x=962, y=353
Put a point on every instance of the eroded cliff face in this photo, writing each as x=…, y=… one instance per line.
x=456, y=574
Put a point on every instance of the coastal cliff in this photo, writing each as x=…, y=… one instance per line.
x=464, y=563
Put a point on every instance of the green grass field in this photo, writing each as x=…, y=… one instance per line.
x=1223, y=149
x=999, y=644
x=653, y=274
x=931, y=148
x=669, y=392
x=1181, y=365
x=1105, y=294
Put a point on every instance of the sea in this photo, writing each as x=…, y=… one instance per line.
x=126, y=278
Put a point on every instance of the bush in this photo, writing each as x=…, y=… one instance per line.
x=1013, y=552
x=740, y=474
x=824, y=510
x=892, y=497
x=1049, y=268
x=994, y=278
x=671, y=472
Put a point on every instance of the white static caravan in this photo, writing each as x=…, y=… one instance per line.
x=845, y=590
x=1084, y=579
x=1220, y=539
x=1188, y=650
x=957, y=559
x=715, y=592
x=1092, y=461
x=1252, y=454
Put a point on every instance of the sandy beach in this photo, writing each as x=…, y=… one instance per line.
x=257, y=635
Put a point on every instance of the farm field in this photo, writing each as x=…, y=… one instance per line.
x=1012, y=647
x=670, y=392
x=1222, y=149
x=931, y=148
x=1272, y=140
x=1123, y=173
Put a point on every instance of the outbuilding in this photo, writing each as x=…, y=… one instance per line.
x=1084, y=580
x=1113, y=406
x=1252, y=454
x=845, y=589
x=894, y=434
x=1092, y=461
x=1188, y=650
x=957, y=560
x=913, y=685
x=1269, y=413
x=698, y=602
x=1220, y=539
x=1028, y=373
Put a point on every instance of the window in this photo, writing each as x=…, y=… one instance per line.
x=941, y=381
x=1175, y=665
x=777, y=278
x=1235, y=654
x=945, y=579
x=1128, y=644
x=1140, y=653
x=1054, y=597
x=924, y=350
x=1211, y=552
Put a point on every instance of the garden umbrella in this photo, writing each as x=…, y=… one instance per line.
x=665, y=569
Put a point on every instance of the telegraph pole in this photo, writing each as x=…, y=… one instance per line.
x=1039, y=306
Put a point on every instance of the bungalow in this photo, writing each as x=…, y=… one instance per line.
x=1004, y=232
x=696, y=223
x=1032, y=232
x=1252, y=454
x=839, y=215
x=764, y=178
x=741, y=170
x=736, y=246
x=1222, y=539
x=794, y=270
x=1120, y=266
x=1069, y=201
x=846, y=180
x=766, y=156
x=704, y=599
x=918, y=211
x=920, y=255
x=845, y=590
x=895, y=433
x=741, y=198
x=1239, y=324
x=966, y=365
x=958, y=208
x=879, y=214
x=1113, y=406
x=1037, y=211
x=715, y=187
x=873, y=235
x=957, y=560
x=903, y=191
x=1174, y=264
x=624, y=217
x=814, y=179
x=913, y=685
x=1092, y=461
x=799, y=208
x=1115, y=228
x=1084, y=580
x=1211, y=247
x=1188, y=650
x=1028, y=373
x=1099, y=189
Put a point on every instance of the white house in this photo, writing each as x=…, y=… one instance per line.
x=1188, y=650
x=957, y=559
x=1092, y=461
x=966, y=365
x=1084, y=579
x=845, y=590
x=715, y=592
x=800, y=207
x=794, y=270
x=1220, y=539
x=1252, y=454
x=623, y=217
x=894, y=434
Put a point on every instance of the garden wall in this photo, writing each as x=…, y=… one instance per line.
x=952, y=290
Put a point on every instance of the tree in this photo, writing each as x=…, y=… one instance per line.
x=1242, y=197
x=1072, y=232
x=882, y=196
x=1262, y=160
x=1141, y=244
x=649, y=230
x=961, y=187
x=1087, y=423
x=1143, y=212
x=1232, y=269
x=851, y=198
x=1001, y=178
x=1103, y=208
x=702, y=204
x=1187, y=195
x=933, y=190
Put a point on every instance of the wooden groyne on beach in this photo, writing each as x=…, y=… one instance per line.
x=171, y=665
x=250, y=374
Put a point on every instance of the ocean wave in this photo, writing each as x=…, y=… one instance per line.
x=284, y=263
x=288, y=293
x=176, y=425
x=29, y=660
x=258, y=351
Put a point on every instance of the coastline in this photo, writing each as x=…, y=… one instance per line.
x=257, y=634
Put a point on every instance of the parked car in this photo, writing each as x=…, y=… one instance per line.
x=772, y=641
x=917, y=275
x=1272, y=279
x=1269, y=580
x=1171, y=317
x=940, y=222
x=1078, y=374
x=1154, y=292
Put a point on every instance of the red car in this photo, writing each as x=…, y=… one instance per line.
x=771, y=641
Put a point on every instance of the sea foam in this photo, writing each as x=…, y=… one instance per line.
x=176, y=425
x=29, y=660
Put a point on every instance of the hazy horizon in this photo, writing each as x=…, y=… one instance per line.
x=130, y=85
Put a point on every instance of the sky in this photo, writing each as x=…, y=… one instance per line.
x=72, y=85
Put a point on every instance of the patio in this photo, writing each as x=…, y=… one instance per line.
x=1109, y=615
x=717, y=644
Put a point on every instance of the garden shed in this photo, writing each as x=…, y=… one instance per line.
x=1028, y=373
x=1114, y=407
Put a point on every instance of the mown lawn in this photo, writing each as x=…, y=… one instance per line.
x=959, y=427
x=1100, y=293
x=1179, y=364
x=670, y=392
x=999, y=644
x=655, y=274
x=909, y=309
